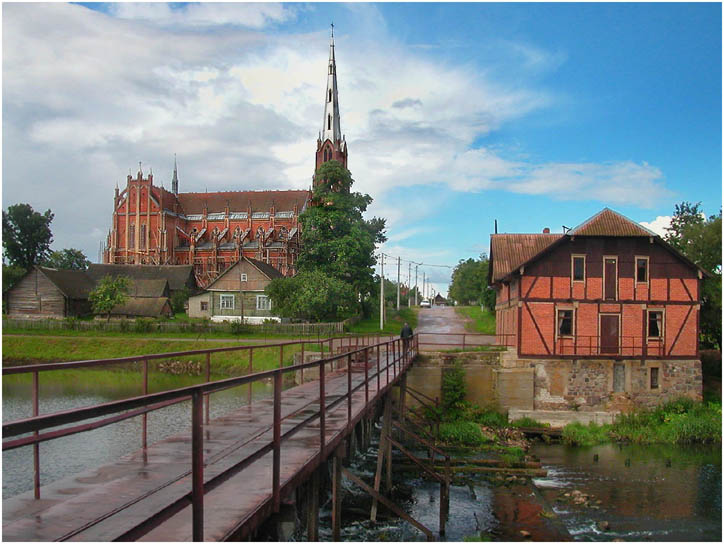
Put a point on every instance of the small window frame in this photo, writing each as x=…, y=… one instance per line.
x=243, y=277
x=654, y=378
x=204, y=306
x=263, y=302
x=661, y=326
x=224, y=302
x=558, y=322
x=573, y=268
x=637, y=258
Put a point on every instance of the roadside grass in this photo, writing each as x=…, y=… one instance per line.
x=393, y=325
x=480, y=321
x=190, y=334
x=31, y=349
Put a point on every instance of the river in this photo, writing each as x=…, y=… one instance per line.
x=662, y=493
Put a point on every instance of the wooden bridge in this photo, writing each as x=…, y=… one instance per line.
x=222, y=479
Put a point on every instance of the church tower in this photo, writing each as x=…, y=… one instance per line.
x=331, y=144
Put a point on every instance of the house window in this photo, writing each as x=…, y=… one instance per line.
x=204, y=306
x=654, y=377
x=243, y=277
x=578, y=267
x=642, y=269
x=656, y=324
x=565, y=322
x=227, y=302
x=263, y=302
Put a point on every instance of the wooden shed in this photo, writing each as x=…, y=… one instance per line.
x=47, y=292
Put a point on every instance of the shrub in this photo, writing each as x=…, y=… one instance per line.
x=143, y=324
x=578, y=434
x=489, y=417
x=453, y=392
x=464, y=433
x=71, y=323
x=124, y=325
x=238, y=327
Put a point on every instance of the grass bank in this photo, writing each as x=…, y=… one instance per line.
x=393, y=325
x=478, y=320
x=190, y=334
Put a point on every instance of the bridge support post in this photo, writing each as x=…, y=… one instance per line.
x=336, y=493
x=313, y=507
x=403, y=395
x=382, y=450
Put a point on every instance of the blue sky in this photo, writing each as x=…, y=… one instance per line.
x=537, y=115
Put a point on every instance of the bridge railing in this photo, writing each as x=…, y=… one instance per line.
x=459, y=340
x=76, y=419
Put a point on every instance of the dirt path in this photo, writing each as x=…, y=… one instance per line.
x=437, y=323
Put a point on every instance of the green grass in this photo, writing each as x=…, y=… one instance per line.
x=528, y=422
x=464, y=433
x=480, y=321
x=474, y=348
x=190, y=334
x=31, y=349
x=393, y=325
x=578, y=434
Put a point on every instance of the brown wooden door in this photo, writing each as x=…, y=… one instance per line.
x=609, y=288
x=609, y=334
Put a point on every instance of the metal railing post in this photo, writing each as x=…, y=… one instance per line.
x=322, y=410
x=277, y=439
x=281, y=356
x=378, y=368
x=367, y=379
x=463, y=340
x=36, y=446
x=207, y=396
x=251, y=370
x=197, y=466
x=144, y=419
x=349, y=388
x=301, y=370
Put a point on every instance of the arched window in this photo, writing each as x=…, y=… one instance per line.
x=330, y=95
x=260, y=233
x=283, y=233
x=237, y=232
x=329, y=121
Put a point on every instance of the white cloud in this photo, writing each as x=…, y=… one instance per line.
x=658, y=225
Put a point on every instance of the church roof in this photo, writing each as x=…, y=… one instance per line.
x=194, y=203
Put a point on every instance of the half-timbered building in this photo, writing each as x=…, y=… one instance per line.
x=605, y=313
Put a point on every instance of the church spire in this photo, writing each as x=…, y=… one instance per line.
x=174, y=180
x=331, y=130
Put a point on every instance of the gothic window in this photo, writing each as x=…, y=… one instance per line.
x=260, y=234
x=142, y=241
x=283, y=234
x=330, y=95
x=329, y=121
x=132, y=236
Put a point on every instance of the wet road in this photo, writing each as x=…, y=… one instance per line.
x=441, y=327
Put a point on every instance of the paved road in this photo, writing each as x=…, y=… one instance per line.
x=442, y=327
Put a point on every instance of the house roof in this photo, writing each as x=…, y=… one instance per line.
x=194, y=203
x=509, y=251
x=611, y=224
x=74, y=284
x=268, y=270
x=141, y=306
x=177, y=275
x=148, y=288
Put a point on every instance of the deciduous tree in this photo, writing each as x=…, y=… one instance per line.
x=26, y=235
x=469, y=283
x=67, y=259
x=313, y=295
x=110, y=292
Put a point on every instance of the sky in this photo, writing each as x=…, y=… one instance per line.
x=455, y=115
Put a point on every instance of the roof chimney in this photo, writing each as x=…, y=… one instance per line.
x=546, y=230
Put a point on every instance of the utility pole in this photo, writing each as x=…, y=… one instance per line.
x=416, y=283
x=398, y=284
x=409, y=281
x=423, y=286
x=382, y=291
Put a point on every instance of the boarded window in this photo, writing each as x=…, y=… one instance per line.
x=619, y=377
x=656, y=321
x=142, y=240
x=610, y=279
x=227, y=302
x=642, y=270
x=579, y=266
x=204, y=306
x=132, y=236
x=654, y=376
x=565, y=322
x=263, y=302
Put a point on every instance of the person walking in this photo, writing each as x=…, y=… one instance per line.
x=406, y=333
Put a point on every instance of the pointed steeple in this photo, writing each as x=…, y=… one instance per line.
x=331, y=130
x=174, y=180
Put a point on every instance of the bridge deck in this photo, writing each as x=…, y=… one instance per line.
x=112, y=501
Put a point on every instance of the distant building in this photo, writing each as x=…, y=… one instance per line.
x=602, y=317
x=237, y=294
x=211, y=231
x=439, y=300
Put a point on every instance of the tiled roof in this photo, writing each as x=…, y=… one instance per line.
x=176, y=275
x=74, y=284
x=141, y=306
x=268, y=270
x=148, y=288
x=238, y=201
x=509, y=251
x=610, y=223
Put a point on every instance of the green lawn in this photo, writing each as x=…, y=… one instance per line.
x=393, y=325
x=480, y=321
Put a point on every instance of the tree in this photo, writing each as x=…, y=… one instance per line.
x=700, y=239
x=110, y=292
x=67, y=259
x=313, y=295
x=336, y=239
x=26, y=235
x=11, y=275
x=470, y=283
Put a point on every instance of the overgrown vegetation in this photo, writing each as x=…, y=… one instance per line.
x=466, y=433
x=578, y=434
x=481, y=321
x=393, y=325
x=469, y=283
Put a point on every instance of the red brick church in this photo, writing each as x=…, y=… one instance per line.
x=211, y=231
